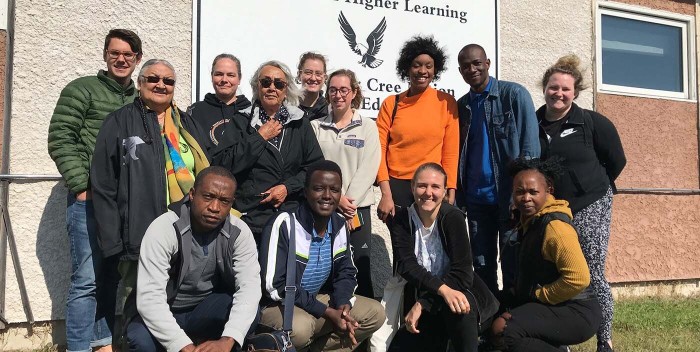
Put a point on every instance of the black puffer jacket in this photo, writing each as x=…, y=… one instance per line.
x=258, y=165
x=213, y=114
x=127, y=176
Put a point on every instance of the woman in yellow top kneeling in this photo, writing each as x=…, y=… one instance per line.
x=552, y=304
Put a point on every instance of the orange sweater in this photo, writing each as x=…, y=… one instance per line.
x=425, y=129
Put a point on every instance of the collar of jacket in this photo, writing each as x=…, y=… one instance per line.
x=254, y=112
x=241, y=102
x=113, y=85
x=551, y=205
x=494, y=92
x=574, y=116
x=184, y=225
x=305, y=218
x=439, y=219
x=327, y=121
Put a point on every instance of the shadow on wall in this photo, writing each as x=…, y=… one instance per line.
x=52, y=251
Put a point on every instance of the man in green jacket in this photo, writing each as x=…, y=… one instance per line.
x=81, y=108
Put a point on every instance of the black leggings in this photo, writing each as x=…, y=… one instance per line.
x=361, y=241
x=401, y=192
x=439, y=328
x=541, y=327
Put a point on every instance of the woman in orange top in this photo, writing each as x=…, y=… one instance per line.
x=417, y=126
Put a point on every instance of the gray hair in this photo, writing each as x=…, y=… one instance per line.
x=150, y=63
x=294, y=94
x=226, y=56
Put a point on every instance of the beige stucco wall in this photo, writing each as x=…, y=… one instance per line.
x=56, y=42
x=655, y=237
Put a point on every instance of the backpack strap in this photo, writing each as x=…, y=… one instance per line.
x=396, y=107
x=290, y=289
x=391, y=122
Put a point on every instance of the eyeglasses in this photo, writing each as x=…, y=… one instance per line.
x=343, y=92
x=279, y=84
x=309, y=73
x=156, y=79
x=114, y=54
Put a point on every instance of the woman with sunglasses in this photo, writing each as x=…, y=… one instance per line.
x=147, y=155
x=432, y=254
x=417, y=126
x=311, y=73
x=352, y=142
x=272, y=148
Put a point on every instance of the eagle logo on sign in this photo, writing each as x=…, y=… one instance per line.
x=374, y=42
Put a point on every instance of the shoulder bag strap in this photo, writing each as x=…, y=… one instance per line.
x=391, y=122
x=290, y=289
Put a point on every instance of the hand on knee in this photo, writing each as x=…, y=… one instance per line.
x=498, y=328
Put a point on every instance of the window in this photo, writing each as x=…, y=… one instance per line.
x=645, y=52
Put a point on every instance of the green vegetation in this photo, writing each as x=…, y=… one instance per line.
x=654, y=325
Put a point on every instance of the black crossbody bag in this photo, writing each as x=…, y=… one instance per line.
x=279, y=340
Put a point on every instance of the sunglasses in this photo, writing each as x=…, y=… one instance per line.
x=279, y=84
x=156, y=79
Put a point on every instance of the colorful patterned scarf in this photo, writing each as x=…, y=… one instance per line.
x=180, y=179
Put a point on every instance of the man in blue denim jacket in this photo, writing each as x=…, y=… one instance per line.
x=497, y=124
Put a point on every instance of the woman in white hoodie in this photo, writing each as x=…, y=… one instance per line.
x=352, y=141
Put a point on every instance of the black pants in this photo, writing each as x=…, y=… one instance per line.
x=401, y=192
x=361, y=241
x=436, y=329
x=541, y=327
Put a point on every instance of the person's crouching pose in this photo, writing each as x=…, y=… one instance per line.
x=432, y=253
x=553, y=304
x=327, y=314
x=198, y=273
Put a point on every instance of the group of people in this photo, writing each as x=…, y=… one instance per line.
x=183, y=242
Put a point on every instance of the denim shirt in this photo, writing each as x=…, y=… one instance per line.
x=513, y=132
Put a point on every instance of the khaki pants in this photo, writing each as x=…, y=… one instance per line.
x=311, y=334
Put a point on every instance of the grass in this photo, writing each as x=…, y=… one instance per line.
x=654, y=325
x=641, y=325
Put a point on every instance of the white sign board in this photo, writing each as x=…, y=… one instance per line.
x=262, y=30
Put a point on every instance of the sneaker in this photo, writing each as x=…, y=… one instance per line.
x=565, y=348
x=604, y=347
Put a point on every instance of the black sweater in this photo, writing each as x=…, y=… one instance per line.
x=213, y=115
x=258, y=165
x=592, y=156
x=460, y=276
x=127, y=176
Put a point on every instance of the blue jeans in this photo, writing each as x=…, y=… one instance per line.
x=488, y=232
x=88, y=309
x=202, y=323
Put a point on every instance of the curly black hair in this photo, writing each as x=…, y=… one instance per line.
x=418, y=46
x=550, y=168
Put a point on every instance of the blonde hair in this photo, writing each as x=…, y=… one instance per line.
x=570, y=65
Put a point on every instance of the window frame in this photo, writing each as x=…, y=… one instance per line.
x=688, y=54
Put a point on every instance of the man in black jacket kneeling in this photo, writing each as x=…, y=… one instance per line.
x=325, y=274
